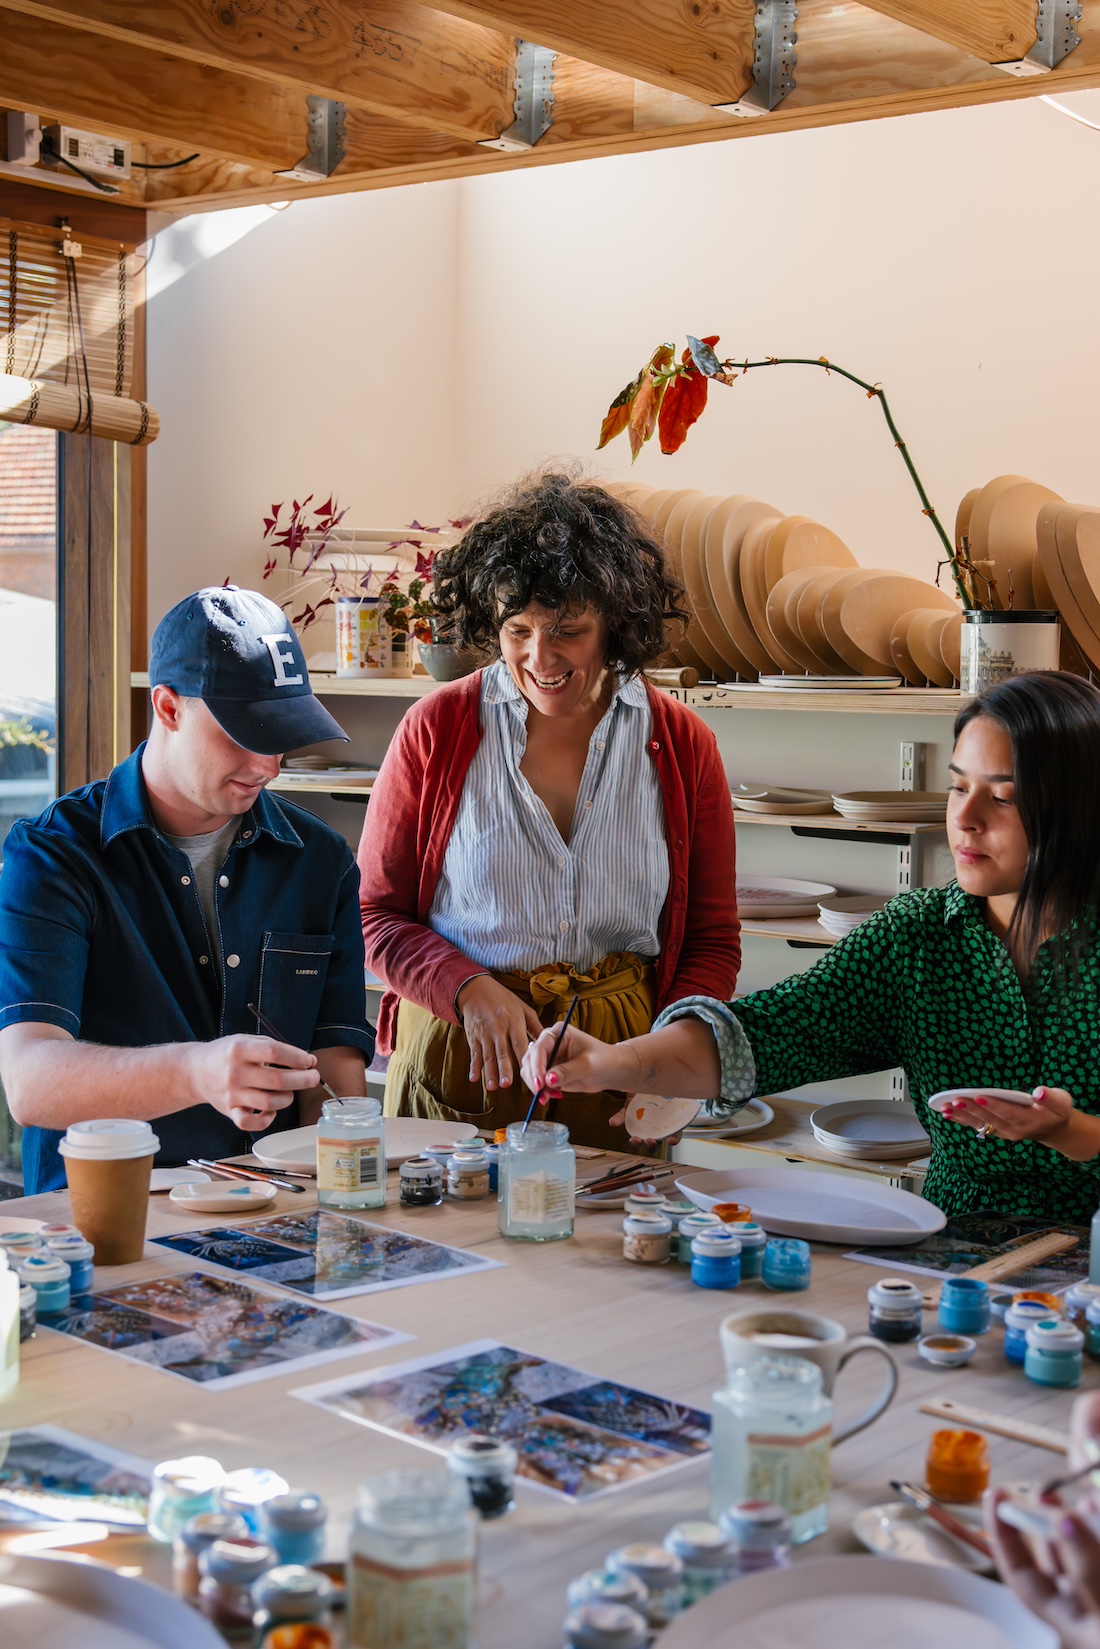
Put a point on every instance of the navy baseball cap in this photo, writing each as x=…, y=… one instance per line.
x=238, y=652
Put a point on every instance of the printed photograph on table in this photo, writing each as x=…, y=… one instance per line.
x=214, y=1333
x=326, y=1256
x=49, y=1475
x=968, y=1240
x=576, y=1434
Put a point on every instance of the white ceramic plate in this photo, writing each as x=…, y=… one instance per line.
x=163, y=1179
x=860, y=1603
x=14, y=1222
x=870, y=1123
x=1011, y=1096
x=836, y=684
x=821, y=1207
x=752, y=1116
x=655, y=1116
x=900, y=1529
x=48, y=1602
x=762, y=897
x=295, y=1151
x=222, y=1197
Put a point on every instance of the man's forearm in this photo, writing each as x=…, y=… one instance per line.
x=53, y=1080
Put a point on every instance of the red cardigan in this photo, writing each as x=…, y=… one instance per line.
x=412, y=812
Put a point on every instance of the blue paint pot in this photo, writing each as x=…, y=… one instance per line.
x=78, y=1255
x=786, y=1263
x=1055, y=1353
x=716, y=1258
x=50, y=1280
x=964, y=1306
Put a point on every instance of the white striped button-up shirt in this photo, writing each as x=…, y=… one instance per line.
x=512, y=893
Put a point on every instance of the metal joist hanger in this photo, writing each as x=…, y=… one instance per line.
x=327, y=126
x=534, y=103
x=774, y=59
x=1056, y=25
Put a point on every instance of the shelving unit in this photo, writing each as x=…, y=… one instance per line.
x=346, y=792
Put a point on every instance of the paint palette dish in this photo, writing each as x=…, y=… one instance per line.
x=873, y=1129
x=819, y=1207
x=766, y=898
x=221, y=1197
x=295, y=1151
x=164, y=1179
x=947, y=1350
x=752, y=1117
x=861, y=1603
x=655, y=1116
x=900, y=1529
x=1010, y=1096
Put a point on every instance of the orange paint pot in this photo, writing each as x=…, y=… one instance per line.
x=957, y=1467
x=731, y=1213
x=1051, y=1301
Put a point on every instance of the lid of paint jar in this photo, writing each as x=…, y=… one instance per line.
x=678, y=1209
x=691, y=1223
x=204, y=1528
x=27, y=1297
x=41, y=1269
x=749, y=1234
x=703, y=1545
x=419, y=1168
x=756, y=1525
x=1079, y=1296
x=894, y=1297
x=70, y=1248
x=500, y=1136
x=469, y=1156
x=291, y=1590
x=1028, y=1312
x=479, y=1456
x=439, y=1154
x=297, y=1510
x=1052, y=1301
x=249, y=1487
x=1054, y=1334
x=715, y=1243
x=605, y=1626
x=647, y=1223
x=240, y=1561
x=655, y=1567
x=608, y=1586
x=639, y=1202
x=116, y=1139
x=30, y=1240
x=47, y=1233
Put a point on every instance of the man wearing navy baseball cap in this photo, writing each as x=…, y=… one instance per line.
x=145, y=918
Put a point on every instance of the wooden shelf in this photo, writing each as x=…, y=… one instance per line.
x=834, y=823
x=360, y=792
x=897, y=701
x=803, y=929
x=329, y=686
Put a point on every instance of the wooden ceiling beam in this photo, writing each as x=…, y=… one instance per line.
x=996, y=31
x=395, y=59
x=700, y=48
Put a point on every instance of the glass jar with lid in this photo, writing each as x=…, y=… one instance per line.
x=351, y=1154
x=468, y=1173
x=197, y=1535
x=537, y=1182
x=770, y=1437
x=709, y=1557
x=229, y=1569
x=411, y=1562
x=421, y=1183
x=289, y=1596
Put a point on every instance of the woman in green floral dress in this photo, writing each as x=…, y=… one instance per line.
x=992, y=981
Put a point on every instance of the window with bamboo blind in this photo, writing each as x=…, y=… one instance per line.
x=67, y=334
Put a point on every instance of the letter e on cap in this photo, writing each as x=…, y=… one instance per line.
x=281, y=659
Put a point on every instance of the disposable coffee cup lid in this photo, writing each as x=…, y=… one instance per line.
x=109, y=1139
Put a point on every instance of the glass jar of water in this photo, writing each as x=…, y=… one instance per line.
x=411, y=1577
x=351, y=1154
x=536, y=1182
x=770, y=1438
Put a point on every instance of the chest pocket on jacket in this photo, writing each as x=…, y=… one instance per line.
x=293, y=969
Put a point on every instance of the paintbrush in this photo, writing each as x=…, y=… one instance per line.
x=553, y=1055
x=279, y=1037
x=952, y=1525
x=234, y=1172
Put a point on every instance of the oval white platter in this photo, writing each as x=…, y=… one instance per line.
x=222, y=1197
x=295, y=1151
x=820, y=1207
x=856, y=1602
x=46, y=1602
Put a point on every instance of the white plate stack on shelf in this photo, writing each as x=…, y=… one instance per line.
x=773, y=898
x=870, y=1129
x=841, y=916
x=759, y=798
x=892, y=806
x=322, y=770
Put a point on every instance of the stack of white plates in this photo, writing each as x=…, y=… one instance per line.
x=840, y=916
x=871, y=1129
x=753, y=798
x=834, y=684
x=894, y=806
x=769, y=898
x=323, y=770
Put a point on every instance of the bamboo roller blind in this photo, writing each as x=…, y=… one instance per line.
x=67, y=334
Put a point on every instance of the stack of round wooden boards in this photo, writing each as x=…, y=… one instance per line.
x=780, y=594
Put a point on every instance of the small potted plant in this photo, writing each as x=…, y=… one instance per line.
x=407, y=610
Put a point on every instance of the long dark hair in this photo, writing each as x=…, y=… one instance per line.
x=565, y=545
x=1053, y=720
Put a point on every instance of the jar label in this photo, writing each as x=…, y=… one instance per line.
x=539, y=1199
x=792, y=1471
x=431, y=1608
x=349, y=1165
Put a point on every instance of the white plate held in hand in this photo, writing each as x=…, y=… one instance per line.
x=1011, y=1096
x=222, y=1197
x=655, y=1116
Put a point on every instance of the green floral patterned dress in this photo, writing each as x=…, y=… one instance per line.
x=926, y=985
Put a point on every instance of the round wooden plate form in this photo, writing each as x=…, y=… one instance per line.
x=755, y=592
x=923, y=641
x=628, y=492
x=697, y=583
x=1077, y=530
x=663, y=513
x=726, y=529
x=781, y=607
x=686, y=653
x=659, y=507
x=675, y=527
x=1002, y=531
x=902, y=659
x=807, y=621
x=1058, y=584
x=860, y=611
x=951, y=646
x=962, y=516
x=799, y=542
x=649, y=503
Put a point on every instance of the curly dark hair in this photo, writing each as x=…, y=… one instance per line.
x=563, y=544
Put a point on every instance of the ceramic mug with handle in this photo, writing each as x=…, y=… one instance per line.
x=776, y=1332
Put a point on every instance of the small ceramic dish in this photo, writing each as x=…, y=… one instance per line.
x=1011, y=1096
x=221, y=1197
x=655, y=1116
x=165, y=1179
x=900, y=1530
x=947, y=1350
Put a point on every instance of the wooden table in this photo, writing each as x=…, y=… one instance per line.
x=576, y=1301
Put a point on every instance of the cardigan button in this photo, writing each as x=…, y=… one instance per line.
x=679, y=846
x=655, y=745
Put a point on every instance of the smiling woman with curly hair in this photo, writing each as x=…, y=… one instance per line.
x=550, y=826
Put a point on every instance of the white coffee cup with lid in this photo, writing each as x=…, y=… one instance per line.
x=114, y=1138
x=108, y=1163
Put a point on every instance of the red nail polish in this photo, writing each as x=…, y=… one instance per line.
x=981, y=1102
x=554, y=1080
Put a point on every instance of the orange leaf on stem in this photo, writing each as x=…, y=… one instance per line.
x=683, y=404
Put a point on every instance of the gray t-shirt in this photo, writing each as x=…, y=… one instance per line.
x=207, y=855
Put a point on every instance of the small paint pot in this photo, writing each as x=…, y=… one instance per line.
x=647, y=1238
x=677, y=1209
x=1018, y=1319
x=753, y=1239
x=605, y=1626
x=20, y=1243
x=715, y=1258
x=947, y=1350
x=786, y=1264
x=1053, y=1302
x=689, y=1228
x=50, y=1280
x=487, y=1465
x=79, y=1257
x=998, y=1305
x=957, y=1467
x=662, y=1575
x=1076, y=1301
x=608, y=1586
x=294, y=1526
x=50, y=1233
x=1055, y=1354
x=493, y=1154
x=244, y=1492
x=964, y=1305
x=895, y=1310
x=731, y=1213
x=28, y=1312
